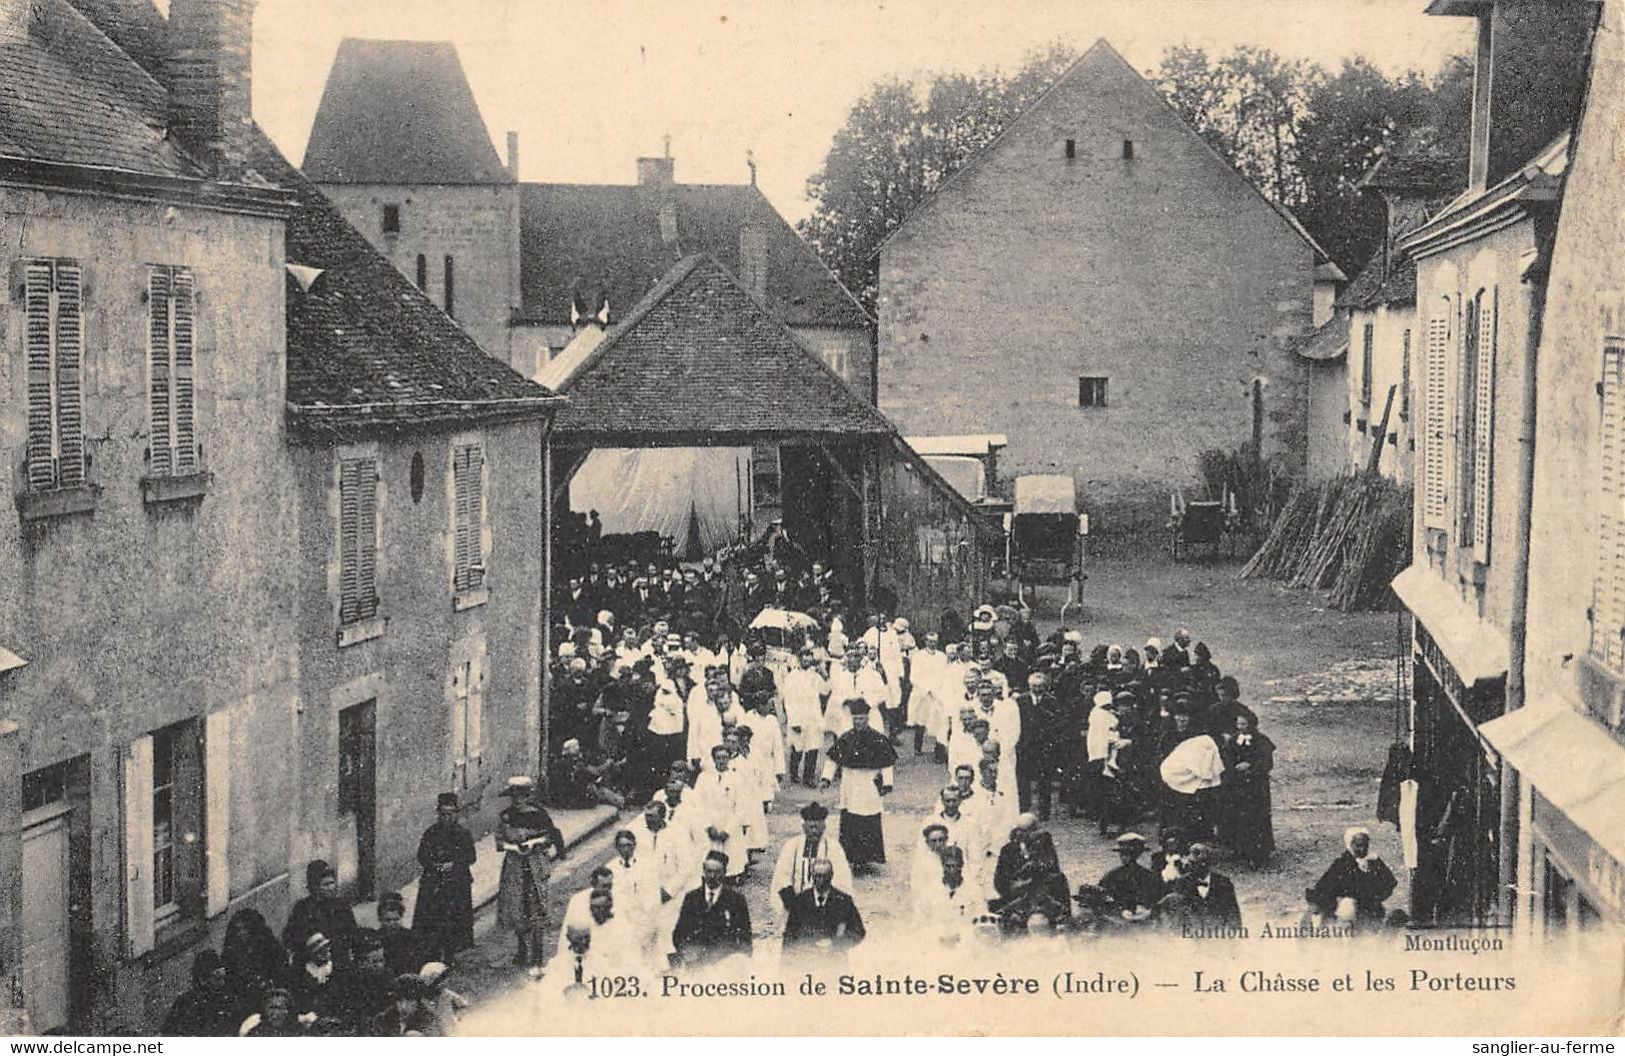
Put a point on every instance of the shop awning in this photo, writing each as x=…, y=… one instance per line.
x=1477, y=650
x=1572, y=762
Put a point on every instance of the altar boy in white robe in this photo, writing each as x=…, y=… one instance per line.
x=805, y=690
x=719, y=794
x=863, y=760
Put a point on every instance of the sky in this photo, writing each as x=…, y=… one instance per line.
x=591, y=85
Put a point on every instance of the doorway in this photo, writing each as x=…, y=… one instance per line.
x=56, y=887
x=358, y=792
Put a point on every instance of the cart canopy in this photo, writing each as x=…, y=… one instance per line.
x=1046, y=493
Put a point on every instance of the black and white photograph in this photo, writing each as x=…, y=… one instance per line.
x=544, y=517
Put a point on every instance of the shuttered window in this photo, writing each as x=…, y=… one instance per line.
x=1608, y=605
x=467, y=723
x=1368, y=340
x=468, y=517
x=1466, y=421
x=53, y=342
x=358, y=539
x=1436, y=418
x=1483, y=451
x=170, y=358
x=1405, y=378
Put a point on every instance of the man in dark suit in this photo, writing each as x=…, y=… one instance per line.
x=1014, y=854
x=714, y=921
x=824, y=921
x=1210, y=893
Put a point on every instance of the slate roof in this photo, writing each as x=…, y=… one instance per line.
x=1329, y=342
x=605, y=240
x=1373, y=286
x=70, y=96
x=400, y=112
x=698, y=360
x=366, y=346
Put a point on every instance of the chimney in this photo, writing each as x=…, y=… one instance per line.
x=513, y=155
x=658, y=175
x=210, y=97
x=753, y=257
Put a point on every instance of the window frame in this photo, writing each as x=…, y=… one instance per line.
x=390, y=221
x=469, y=527
x=179, y=454
x=1092, y=392
x=178, y=780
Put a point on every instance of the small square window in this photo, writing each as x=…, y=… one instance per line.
x=1071, y=149
x=1128, y=150
x=1091, y=392
x=392, y=219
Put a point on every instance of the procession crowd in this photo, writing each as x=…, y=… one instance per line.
x=690, y=699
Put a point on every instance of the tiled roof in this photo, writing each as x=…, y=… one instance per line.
x=1329, y=342
x=400, y=111
x=366, y=346
x=605, y=240
x=70, y=96
x=698, y=360
x=1372, y=287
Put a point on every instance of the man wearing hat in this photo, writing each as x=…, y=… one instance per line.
x=793, y=873
x=853, y=680
x=444, y=916
x=1133, y=889
x=862, y=759
x=525, y=836
x=320, y=910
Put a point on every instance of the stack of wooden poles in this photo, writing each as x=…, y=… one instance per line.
x=1349, y=536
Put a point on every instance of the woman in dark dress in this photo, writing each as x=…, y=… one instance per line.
x=526, y=836
x=444, y=917
x=1357, y=877
x=254, y=957
x=1039, y=887
x=1249, y=756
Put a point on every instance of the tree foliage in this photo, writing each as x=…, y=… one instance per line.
x=1301, y=134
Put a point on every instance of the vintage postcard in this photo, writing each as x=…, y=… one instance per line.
x=538, y=518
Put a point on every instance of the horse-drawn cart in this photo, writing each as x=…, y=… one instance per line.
x=1215, y=523
x=1045, y=537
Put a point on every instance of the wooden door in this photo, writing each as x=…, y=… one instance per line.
x=45, y=918
x=358, y=789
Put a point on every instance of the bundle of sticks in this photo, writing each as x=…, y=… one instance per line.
x=1349, y=536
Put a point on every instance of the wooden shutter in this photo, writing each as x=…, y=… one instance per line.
x=1608, y=609
x=461, y=519
x=349, y=529
x=69, y=357
x=37, y=284
x=1435, y=463
x=1484, y=426
x=158, y=376
x=138, y=908
x=217, y=812
x=185, y=414
x=1405, y=378
x=367, y=538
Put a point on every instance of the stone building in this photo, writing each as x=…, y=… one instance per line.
x=1100, y=286
x=1561, y=737
x=1380, y=310
x=143, y=748
x=1481, y=264
x=205, y=360
x=400, y=144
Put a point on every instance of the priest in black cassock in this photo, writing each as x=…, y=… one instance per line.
x=824, y=922
x=864, y=759
x=444, y=917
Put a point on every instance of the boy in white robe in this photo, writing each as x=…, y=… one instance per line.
x=711, y=706
x=805, y=693
x=719, y=793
